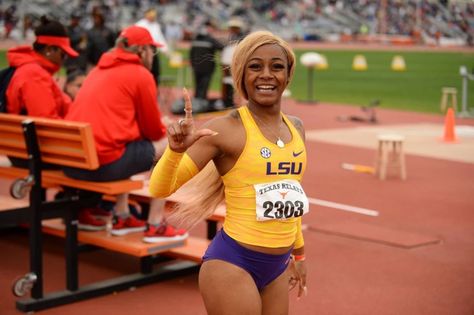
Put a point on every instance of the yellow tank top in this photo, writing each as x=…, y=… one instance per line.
x=261, y=161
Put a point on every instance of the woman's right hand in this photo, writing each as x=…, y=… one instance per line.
x=182, y=134
x=297, y=271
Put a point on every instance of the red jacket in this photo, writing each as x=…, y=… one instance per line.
x=119, y=99
x=33, y=87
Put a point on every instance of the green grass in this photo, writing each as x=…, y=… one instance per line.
x=416, y=89
x=3, y=59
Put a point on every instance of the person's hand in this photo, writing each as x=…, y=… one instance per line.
x=297, y=274
x=182, y=134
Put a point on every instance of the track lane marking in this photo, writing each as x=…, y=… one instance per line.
x=340, y=206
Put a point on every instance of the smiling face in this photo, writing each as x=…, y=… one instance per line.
x=258, y=52
x=266, y=75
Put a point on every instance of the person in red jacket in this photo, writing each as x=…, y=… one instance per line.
x=32, y=90
x=119, y=99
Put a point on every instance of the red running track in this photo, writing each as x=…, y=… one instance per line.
x=416, y=257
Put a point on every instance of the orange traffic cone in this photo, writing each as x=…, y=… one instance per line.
x=449, y=123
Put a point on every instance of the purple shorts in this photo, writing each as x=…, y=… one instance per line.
x=264, y=268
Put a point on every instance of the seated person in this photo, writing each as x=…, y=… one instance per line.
x=74, y=80
x=119, y=99
x=33, y=90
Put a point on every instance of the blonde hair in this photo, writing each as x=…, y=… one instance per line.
x=200, y=197
x=205, y=191
x=247, y=47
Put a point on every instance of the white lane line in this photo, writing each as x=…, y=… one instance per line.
x=343, y=207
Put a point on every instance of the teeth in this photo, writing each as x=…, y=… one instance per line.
x=265, y=87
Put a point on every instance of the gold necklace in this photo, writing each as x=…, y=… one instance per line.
x=278, y=142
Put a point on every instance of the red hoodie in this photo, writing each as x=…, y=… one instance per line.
x=32, y=87
x=119, y=99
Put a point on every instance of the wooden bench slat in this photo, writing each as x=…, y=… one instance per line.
x=18, y=153
x=56, y=133
x=72, y=161
x=12, y=140
x=64, y=161
x=10, y=127
x=52, y=151
x=11, y=144
x=67, y=146
x=111, y=188
x=13, y=172
x=55, y=178
x=130, y=244
x=59, y=140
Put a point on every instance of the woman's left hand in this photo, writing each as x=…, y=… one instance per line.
x=297, y=270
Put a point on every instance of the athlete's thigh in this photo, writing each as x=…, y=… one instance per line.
x=228, y=289
x=275, y=299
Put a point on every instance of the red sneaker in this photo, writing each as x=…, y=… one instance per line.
x=101, y=213
x=88, y=222
x=163, y=232
x=124, y=226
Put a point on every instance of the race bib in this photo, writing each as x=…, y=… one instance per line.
x=280, y=200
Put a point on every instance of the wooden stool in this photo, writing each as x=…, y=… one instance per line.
x=446, y=93
x=386, y=159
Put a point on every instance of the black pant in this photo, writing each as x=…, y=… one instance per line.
x=202, y=82
x=139, y=156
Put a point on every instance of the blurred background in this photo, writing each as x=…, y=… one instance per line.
x=434, y=39
x=443, y=22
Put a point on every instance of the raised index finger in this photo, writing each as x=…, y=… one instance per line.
x=188, y=106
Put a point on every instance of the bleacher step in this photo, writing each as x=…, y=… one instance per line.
x=7, y=203
x=130, y=244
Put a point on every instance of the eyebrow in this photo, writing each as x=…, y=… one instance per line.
x=273, y=59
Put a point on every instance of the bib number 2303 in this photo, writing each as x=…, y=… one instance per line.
x=283, y=210
x=280, y=200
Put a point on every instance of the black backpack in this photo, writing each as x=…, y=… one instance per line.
x=5, y=77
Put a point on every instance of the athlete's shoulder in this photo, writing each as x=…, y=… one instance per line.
x=226, y=121
x=230, y=138
x=298, y=123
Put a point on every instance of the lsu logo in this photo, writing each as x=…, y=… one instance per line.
x=284, y=168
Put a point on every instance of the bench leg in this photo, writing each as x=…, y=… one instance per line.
x=71, y=250
x=36, y=243
x=146, y=264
